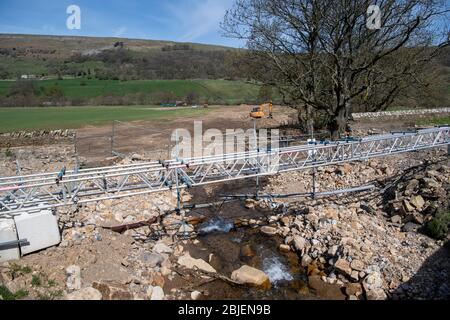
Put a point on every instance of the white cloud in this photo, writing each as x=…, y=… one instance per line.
x=198, y=18
x=120, y=32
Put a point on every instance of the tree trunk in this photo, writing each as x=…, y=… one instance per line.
x=306, y=120
x=310, y=120
x=336, y=125
x=302, y=120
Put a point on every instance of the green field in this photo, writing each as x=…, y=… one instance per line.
x=14, y=119
x=435, y=121
x=214, y=90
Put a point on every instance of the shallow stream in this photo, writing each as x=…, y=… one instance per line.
x=228, y=248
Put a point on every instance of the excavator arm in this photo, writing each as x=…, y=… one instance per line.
x=270, y=110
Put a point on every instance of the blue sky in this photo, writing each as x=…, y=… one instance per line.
x=176, y=20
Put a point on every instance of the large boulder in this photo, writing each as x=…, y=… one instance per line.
x=373, y=287
x=299, y=243
x=411, y=186
x=157, y=294
x=410, y=227
x=270, y=231
x=250, y=203
x=111, y=290
x=407, y=206
x=357, y=265
x=196, y=295
x=418, y=202
x=190, y=263
x=161, y=247
x=325, y=290
x=396, y=219
x=85, y=294
x=431, y=183
x=186, y=228
x=151, y=259
x=284, y=248
x=354, y=289
x=251, y=276
x=73, y=274
x=343, y=266
x=247, y=251
x=306, y=260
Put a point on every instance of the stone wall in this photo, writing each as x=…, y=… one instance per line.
x=400, y=113
x=40, y=134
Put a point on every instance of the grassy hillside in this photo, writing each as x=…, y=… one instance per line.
x=111, y=58
x=213, y=91
x=44, y=46
x=14, y=119
x=115, y=71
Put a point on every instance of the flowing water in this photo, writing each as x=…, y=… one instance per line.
x=217, y=225
x=228, y=248
x=228, y=251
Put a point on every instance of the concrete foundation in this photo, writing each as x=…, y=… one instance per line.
x=8, y=233
x=39, y=229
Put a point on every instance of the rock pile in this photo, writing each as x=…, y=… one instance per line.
x=415, y=198
x=351, y=247
x=365, y=244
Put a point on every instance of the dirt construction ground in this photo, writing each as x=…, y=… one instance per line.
x=363, y=246
x=153, y=138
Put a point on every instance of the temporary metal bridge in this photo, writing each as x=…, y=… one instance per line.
x=32, y=193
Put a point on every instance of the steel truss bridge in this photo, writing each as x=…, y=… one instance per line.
x=32, y=193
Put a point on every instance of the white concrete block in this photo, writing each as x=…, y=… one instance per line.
x=39, y=229
x=7, y=234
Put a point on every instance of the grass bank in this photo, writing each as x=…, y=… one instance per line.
x=15, y=119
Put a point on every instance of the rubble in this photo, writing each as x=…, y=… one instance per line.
x=372, y=244
x=368, y=246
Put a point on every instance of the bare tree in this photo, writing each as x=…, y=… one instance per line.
x=327, y=55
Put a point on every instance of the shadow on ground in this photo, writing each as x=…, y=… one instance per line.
x=432, y=280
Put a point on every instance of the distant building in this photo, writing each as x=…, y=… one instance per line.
x=180, y=103
x=28, y=77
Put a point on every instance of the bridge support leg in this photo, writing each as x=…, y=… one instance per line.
x=257, y=188
x=113, y=132
x=314, y=174
x=314, y=183
x=178, y=209
x=257, y=159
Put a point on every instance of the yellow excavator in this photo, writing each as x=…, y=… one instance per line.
x=259, y=112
